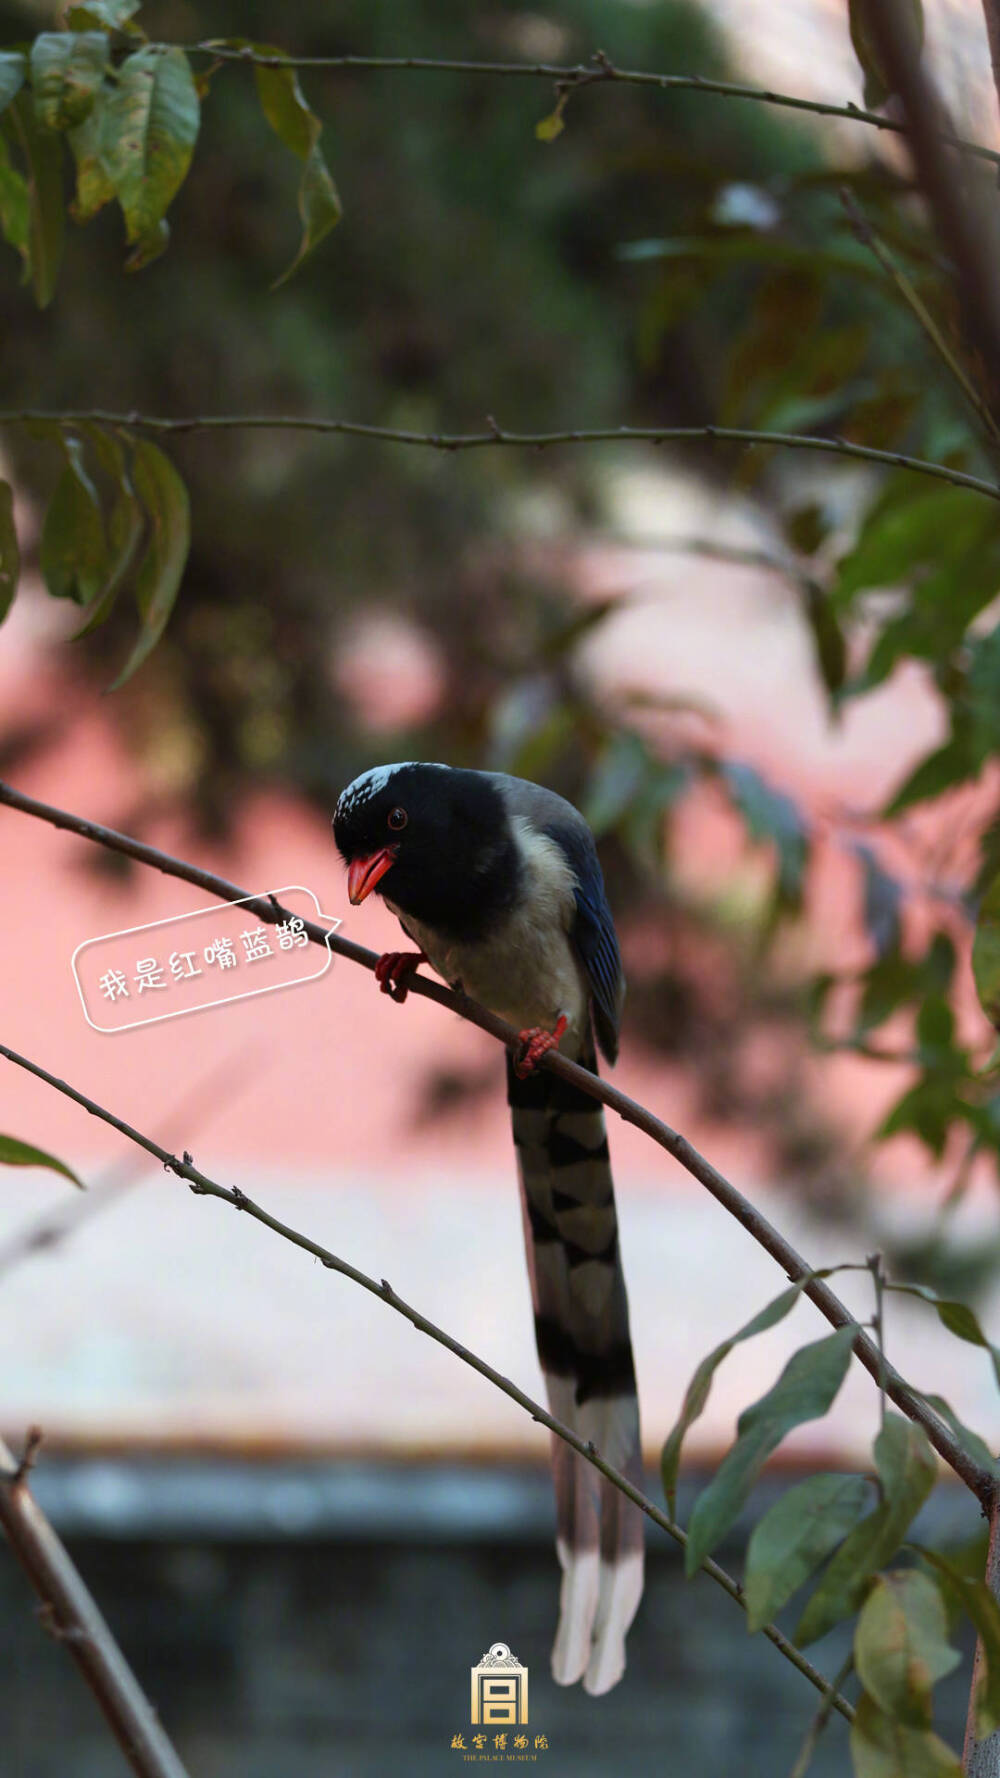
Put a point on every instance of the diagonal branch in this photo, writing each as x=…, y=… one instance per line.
x=964, y=213
x=500, y=436
x=72, y=1615
x=978, y=1479
x=203, y=1186
x=599, y=71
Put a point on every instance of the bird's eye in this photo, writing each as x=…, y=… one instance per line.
x=397, y=819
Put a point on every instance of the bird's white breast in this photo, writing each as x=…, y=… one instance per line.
x=525, y=969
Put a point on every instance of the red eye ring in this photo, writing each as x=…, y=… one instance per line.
x=397, y=819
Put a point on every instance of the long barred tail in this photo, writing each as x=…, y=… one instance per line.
x=582, y=1333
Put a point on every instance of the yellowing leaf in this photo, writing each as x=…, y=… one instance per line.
x=93, y=187
x=165, y=500
x=881, y=1747
x=901, y=1645
x=42, y=151
x=548, y=128
x=285, y=107
x=150, y=125
x=115, y=14
x=67, y=69
x=73, y=553
x=13, y=69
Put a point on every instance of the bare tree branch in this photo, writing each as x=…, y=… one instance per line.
x=499, y=436
x=964, y=214
x=991, y=13
x=203, y=1186
x=73, y=1617
x=597, y=72
x=978, y=1479
x=981, y=1759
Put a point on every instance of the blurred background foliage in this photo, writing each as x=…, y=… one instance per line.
x=671, y=259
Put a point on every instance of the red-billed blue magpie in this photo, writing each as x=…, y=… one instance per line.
x=497, y=882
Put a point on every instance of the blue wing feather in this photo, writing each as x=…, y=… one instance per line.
x=593, y=934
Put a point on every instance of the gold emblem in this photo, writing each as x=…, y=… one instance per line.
x=499, y=1687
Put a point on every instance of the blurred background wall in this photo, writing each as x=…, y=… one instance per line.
x=305, y=1523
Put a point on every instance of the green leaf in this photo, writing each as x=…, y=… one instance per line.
x=882, y=899
x=977, y=1447
x=701, y=1383
x=165, y=499
x=958, y=1318
x=319, y=208
x=881, y=1747
x=297, y=126
x=10, y=554
x=149, y=246
x=798, y=1533
x=93, y=187
x=621, y=767
x=150, y=128
x=986, y=954
x=909, y=530
x=805, y=1391
x=113, y=14
x=771, y=815
x=951, y=764
x=901, y=1646
x=806, y=527
x=73, y=553
x=67, y=71
x=907, y=1471
x=125, y=529
x=828, y=637
x=13, y=70
x=42, y=151
x=895, y=979
x=14, y=209
x=285, y=106
x=21, y=1154
x=928, y=1110
x=982, y=1609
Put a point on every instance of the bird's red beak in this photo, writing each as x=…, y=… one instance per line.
x=364, y=873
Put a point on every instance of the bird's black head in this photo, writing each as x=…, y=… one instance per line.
x=435, y=840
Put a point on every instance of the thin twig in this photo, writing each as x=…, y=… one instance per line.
x=76, y=1621
x=502, y=437
x=43, y=1233
x=818, y=1724
x=874, y=1264
x=915, y=303
x=979, y=1480
x=203, y=1186
x=599, y=72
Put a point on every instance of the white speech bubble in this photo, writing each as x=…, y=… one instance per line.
x=127, y=975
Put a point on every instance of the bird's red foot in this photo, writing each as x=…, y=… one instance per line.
x=392, y=969
x=535, y=1043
